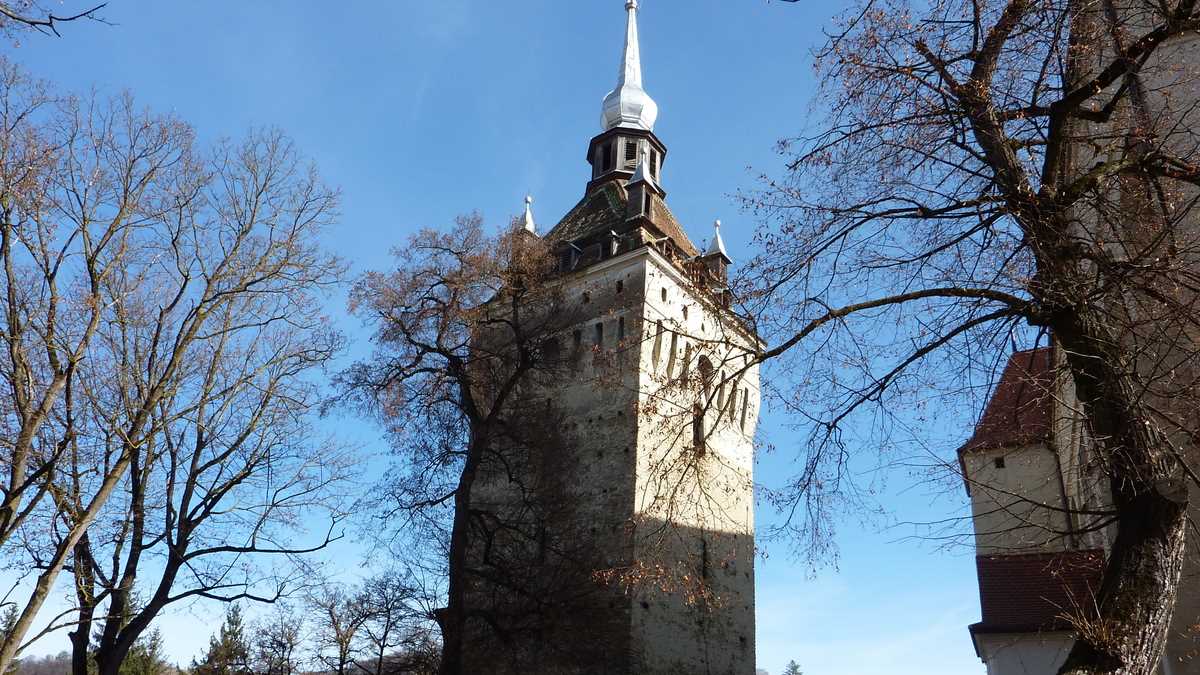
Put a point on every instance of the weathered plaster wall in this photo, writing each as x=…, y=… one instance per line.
x=1017, y=507
x=694, y=507
x=1024, y=654
x=642, y=502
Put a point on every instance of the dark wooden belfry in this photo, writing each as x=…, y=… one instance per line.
x=615, y=154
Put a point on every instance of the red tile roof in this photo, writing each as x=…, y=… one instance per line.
x=1034, y=592
x=1021, y=407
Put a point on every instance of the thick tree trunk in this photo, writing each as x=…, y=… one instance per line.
x=85, y=595
x=1125, y=630
x=1137, y=597
x=114, y=647
x=453, y=618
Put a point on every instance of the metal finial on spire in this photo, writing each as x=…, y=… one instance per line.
x=527, y=221
x=629, y=105
x=717, y=245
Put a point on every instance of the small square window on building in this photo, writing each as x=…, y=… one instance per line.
x=999, y=462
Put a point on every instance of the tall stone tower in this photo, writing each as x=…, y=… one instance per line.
x=645, y=560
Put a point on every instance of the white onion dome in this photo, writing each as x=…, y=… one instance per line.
x=629, y=105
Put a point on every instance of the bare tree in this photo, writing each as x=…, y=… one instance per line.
x=990, y=173
x=228, y=470
x=338, y=616
x=396, y=630
x=276, y=642
x=163, y=332
x=462, y=325
x=80, y=184
x=31, y=15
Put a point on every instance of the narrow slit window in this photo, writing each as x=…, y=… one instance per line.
x=631, y=154
x=620, y=329
x=706, y=374
x=664, y=294
x=607, y=164
x=620, y=287
x=654, y=164
x=646, y=203
x=658, y=336
x=599, y=334
x=671, y=358
x=685, y=313
x=578, y=339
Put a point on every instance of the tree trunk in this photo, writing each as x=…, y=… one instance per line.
x=85, y=595
x=11, y=643
x=114, y=649
x=1125, y=630
x=1137, y=597
x=453, y=618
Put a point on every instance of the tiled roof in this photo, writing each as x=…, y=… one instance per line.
x=665, y=221
x=1034, y=592
x=1020, y=410
x=603, y=209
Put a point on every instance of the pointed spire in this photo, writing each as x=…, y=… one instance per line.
x=642, y=173
x=527, y=221
x=631, y=61
x=717, y=245
x=629, y=105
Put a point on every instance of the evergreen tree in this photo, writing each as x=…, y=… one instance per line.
x=8, y=622
x=792, y=668
x=228, y=651
x=146, y=656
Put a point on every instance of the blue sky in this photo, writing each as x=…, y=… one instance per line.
x=420, y=111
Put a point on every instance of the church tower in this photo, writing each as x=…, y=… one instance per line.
x=645, y=563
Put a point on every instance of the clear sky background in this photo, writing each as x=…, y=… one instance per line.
x=422, y=110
